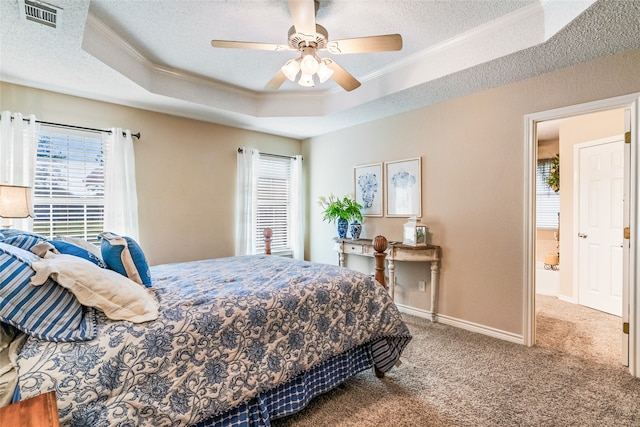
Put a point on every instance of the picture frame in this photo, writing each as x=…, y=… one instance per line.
x=403, y=189
x=368, y=188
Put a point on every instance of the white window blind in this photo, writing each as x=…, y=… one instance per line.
x=547, y=200
x=273, y=203
x=69, y=185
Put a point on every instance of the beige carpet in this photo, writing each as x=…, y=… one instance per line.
x=455, y=378
x=578, y=330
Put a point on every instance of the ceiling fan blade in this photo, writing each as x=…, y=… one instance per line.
x=341, y=76
x=248, y=45
x=382, y=43
x=276, y=81
x=303, y=13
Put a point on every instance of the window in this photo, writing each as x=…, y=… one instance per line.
x=69, y=184
x=269, y=193
x=273, y=203
x=547, y=200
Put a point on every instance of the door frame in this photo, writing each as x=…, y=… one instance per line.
x=631, y=102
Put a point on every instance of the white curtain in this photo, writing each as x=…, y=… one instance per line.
x=18, y=146
x=297, y=208
x=247, y=174
x=120, y=195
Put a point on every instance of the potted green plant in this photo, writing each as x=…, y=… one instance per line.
x=342, y=210
x=553, y=179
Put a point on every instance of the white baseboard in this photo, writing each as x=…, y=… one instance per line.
x=418, y=312
x=567, y=299
x=463, y=324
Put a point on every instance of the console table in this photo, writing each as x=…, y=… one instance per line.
x=38, y=411
x=396, y=251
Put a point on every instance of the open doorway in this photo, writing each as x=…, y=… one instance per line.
x=630, y=104
x=563, y=321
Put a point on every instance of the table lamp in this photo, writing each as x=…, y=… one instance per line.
x=15, y=202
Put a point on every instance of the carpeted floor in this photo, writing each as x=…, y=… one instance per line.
x=578, y=330
x=454, y=378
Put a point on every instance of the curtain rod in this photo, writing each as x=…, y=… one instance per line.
x=62, y=125
x=240, y=150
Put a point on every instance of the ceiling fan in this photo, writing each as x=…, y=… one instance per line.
x=308, y=38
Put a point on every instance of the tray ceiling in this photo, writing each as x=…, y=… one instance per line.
x=157, y=55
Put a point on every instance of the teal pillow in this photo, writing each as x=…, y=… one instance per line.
x=75, y=250
x=124, y=255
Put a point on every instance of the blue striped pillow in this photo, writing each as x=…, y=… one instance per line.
x=22, y=239
x=49, y=312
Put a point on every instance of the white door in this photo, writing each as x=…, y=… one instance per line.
x=600, y=235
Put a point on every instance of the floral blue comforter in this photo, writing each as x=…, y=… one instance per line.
x=228, y=329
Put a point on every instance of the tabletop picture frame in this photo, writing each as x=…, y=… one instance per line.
x=404, y=188
x=368, y=188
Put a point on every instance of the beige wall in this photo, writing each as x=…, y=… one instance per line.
x=473, y=181
x=545, y=243
x=576, y=130
x=472, y=150
x=185, y=169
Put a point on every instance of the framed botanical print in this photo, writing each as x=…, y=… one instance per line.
x=367, y=181
x=404, y=188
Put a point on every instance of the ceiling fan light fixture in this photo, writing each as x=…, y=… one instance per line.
x=324, y=72
x=306, y=80
x=309, y=65
x=308, y=37
x=291, y=68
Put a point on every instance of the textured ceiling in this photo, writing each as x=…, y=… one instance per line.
x=156, y=54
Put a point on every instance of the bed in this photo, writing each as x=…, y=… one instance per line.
x=237, y=341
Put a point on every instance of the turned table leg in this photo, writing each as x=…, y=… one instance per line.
x=434, y=289
x=392, y=277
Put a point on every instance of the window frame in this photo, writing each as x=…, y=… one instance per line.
x=77, y=157
x=271, y=209
x=547, y=200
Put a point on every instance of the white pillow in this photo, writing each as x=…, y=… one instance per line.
x=119, y=297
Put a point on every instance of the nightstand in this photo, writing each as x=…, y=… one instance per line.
x=38, y=411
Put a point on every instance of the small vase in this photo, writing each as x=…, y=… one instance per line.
x=355, y=230
x=343, y=224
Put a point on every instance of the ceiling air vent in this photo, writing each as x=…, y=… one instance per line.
x=40, y=12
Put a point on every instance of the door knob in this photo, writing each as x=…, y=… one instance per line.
x=582, y=236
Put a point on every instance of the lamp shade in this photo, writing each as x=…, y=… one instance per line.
x=291, y=68
x=15, y=201
x=324, y=72
x=306, y=80
x=309, y=64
